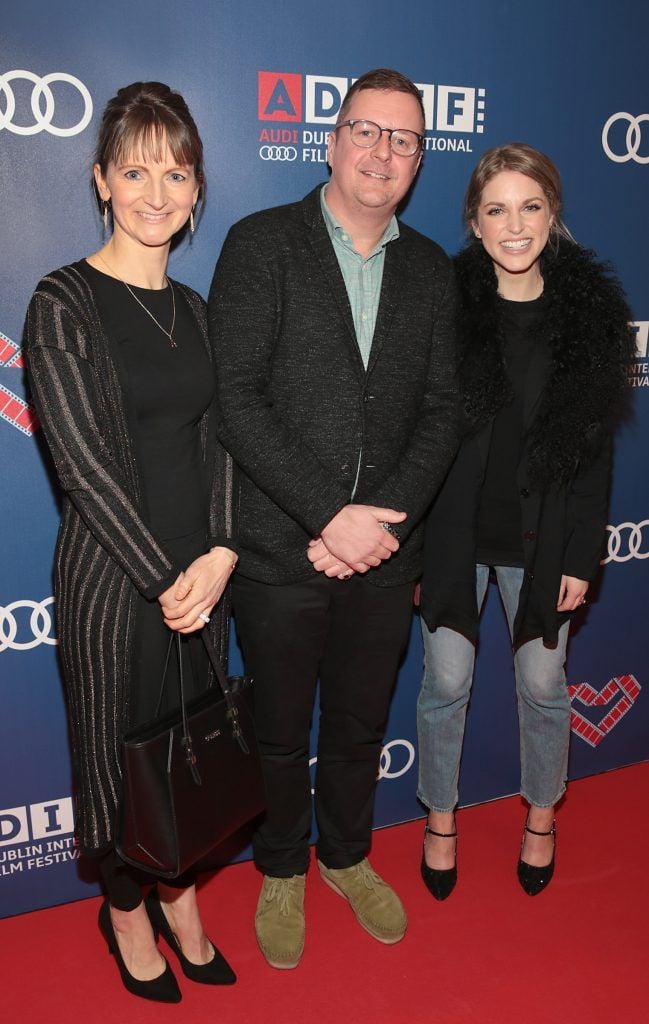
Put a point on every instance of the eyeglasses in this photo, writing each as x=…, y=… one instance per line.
x=367, y=133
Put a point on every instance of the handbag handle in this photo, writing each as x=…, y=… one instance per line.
x=164, y=673
x=186, y=739
x=232, y=712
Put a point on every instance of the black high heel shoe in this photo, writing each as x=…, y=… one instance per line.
x=535, y=879
x=440, y=882
x=163, y=989
x=216, y=972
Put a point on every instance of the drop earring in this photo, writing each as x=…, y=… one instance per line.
x=191, y=219
x=104, y=215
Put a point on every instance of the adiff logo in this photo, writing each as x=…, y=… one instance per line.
x=279, y=97
x=36, y=821
x=14, y=409
x=452, y=113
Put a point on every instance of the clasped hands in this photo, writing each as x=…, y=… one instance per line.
x=354, y=541
x=187, y=604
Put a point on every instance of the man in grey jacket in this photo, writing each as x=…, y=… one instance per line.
x=333, y=327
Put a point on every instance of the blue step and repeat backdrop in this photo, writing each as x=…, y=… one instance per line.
x=265, y=83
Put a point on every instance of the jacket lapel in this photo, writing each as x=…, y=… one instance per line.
x=393, y=288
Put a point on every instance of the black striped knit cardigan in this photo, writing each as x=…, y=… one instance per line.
x=105, y=553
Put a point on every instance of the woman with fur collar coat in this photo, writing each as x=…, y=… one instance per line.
x=545, y=348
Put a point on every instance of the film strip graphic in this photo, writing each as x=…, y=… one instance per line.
x=15, y=410
x=626, y=688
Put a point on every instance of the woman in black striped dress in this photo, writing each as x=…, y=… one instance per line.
x=122, y=378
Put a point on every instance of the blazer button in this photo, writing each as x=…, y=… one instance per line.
x=368, y=398
x=529, y=535
x=524, y=492
x=530, y=575
x=345, y=467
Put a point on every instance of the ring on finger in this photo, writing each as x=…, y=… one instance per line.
x=203, y=617
x=389, y=528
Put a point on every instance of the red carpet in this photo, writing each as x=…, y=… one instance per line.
x=489, y=955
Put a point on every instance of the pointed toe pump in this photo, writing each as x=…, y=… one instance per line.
x=163, y=989
x=216, y=971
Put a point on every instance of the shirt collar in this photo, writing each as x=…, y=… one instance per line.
x=336, y=230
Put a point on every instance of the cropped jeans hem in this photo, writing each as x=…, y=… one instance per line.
x=535, y=803
x=435, y=810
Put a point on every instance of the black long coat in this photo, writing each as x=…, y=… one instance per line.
x=296, y=403
x=572, y=396
x=105, y=553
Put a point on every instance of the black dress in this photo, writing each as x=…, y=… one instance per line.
x=167, y=390
x=107, y=557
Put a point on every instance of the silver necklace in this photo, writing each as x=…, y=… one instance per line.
x=168, y=333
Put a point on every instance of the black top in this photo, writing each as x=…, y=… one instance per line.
x=499, y=514
x=167, y=391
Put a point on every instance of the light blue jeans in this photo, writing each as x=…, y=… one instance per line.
x=543, y=705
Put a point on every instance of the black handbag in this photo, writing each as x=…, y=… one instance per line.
x=189, y=779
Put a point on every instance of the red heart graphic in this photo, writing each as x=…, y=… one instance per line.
x=589, y=732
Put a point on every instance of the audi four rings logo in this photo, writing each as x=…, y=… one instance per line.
x=42, y=93
x=626, y=541
x=278, y=153
x=35, y=621
x=387, y=769
x=633, y=138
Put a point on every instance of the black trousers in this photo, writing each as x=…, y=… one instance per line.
x=352, y=635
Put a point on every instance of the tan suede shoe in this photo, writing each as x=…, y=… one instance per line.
x=377, y=907
x=279, y=921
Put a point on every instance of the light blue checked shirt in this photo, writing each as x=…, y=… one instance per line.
x=363, y=278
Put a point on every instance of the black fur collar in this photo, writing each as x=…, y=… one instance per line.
x=585, y=326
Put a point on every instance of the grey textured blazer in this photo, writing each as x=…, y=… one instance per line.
x=105, y=552
x=296, y=405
